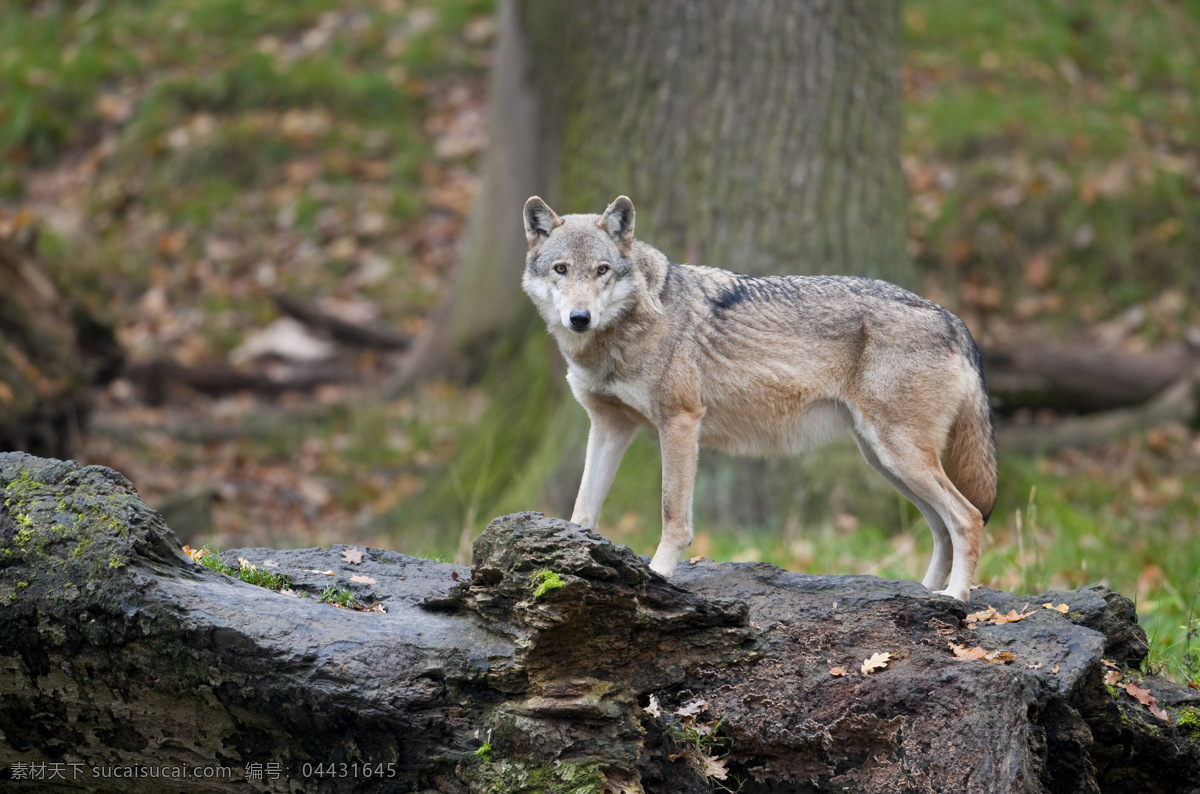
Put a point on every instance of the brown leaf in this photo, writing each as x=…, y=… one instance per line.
x=1157, y=712
x=1056, y=668
x=979, y=654
x=715, y=768
x=1109, y=664
x=990, y=615
x=695, y=560
x=1112, y=677
x=1142, y=696
x=878, y=661
x=839, y=670
x=692, y=708
x=1063, y=608
x=354, y=556
x=362, y=579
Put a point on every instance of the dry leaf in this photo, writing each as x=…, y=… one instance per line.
x=270, y=564
x=1107, y=663
x=352, y=555
x=691, y=709
x=878, y=661
x=1112, y=677
x=313, y=570
x=1055, y=668
x=376, y=607
x=982, y=615
x=1194, y=684
x=979, y=654
x=990, y=615
x=1063, y=608
x=695, y=560
x=715, y=768
x=362, y=579
x=1034, y=666
x=1144, y=697
x=655, y=708
x=839, y=670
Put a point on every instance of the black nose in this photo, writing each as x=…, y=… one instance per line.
x=580, y=320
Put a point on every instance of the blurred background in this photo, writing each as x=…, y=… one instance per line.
x=264, y=258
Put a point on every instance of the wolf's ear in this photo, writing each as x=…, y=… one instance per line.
x=540, y=220
x=617, y=220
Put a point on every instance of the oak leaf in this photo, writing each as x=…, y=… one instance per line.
x=354, y=556
x=715, y=768
x=691, y=708
x=839, y=670
x=1063, y=608
x=878, y=661
x=1112, y=677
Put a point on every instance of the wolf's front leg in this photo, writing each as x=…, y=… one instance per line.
x=680, y=440
x=608, y=438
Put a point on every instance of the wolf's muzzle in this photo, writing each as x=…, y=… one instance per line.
x=580, y=321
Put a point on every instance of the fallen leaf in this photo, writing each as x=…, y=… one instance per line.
x=878, y=661
x=979, y=654
x=362, y=579
x=313, y=570
x=695, y=560
x=1034, y=666
x=1063, y=608
x=839, y=670
x=715, y=768
x=990, y=615
x=982, y=615
x=1055, y=669
x=655, y=708
x=1107, y=663
x=376, y=607
x=1194, y=684
x=1112, y=677
x=692, y=708
x=1144, y=697
x=353, y=556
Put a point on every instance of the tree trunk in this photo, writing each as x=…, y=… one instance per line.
x=762, y=137
x=556, y=662
x=50, y=355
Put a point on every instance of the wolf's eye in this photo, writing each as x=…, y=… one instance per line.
x=560, y=268
x=600, y=271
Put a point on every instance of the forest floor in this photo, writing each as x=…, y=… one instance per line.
x=187, y=160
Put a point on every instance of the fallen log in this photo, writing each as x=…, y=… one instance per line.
x=556, y=662
x=1079, y=378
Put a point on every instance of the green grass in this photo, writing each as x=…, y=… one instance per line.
x=1070, y=129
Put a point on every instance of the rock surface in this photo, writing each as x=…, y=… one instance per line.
x=556, y=662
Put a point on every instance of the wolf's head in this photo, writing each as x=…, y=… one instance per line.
x=579, y=271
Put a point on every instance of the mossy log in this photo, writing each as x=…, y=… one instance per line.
x=537, y=669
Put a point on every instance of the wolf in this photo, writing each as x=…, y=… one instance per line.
x=762, y=366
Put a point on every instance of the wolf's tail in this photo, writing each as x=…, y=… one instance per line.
x=970, y=459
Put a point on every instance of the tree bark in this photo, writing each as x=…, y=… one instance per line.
x=762, y=137
x=556, y=662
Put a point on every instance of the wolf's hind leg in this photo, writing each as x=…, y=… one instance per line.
x=940, y=562
x=680, y=440
x=919, y=469
x=608, y=439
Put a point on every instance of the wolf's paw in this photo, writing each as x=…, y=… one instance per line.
x=663, y=564
x=963, y=595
